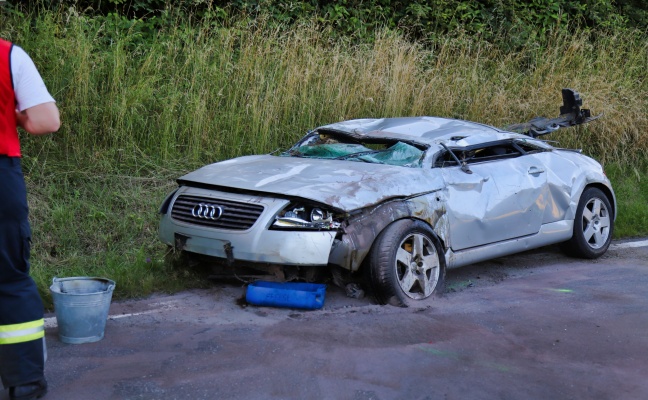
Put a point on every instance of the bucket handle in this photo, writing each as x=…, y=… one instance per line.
x=55, y=280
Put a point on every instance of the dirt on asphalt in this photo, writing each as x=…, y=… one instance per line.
x=537, y=325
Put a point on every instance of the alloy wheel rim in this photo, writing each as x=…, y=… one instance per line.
x=417, y=266
x=596, y=223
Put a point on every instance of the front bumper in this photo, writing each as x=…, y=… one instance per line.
x=256, y=244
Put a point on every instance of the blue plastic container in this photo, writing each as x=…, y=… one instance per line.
x=290, y=295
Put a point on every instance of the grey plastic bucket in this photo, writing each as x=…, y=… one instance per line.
x=81, y=305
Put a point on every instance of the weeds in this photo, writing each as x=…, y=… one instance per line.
x=137, y=114
x=203, y=94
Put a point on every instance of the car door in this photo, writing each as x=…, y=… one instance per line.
x=499, y=194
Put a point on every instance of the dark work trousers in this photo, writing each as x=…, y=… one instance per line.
x=20, y=303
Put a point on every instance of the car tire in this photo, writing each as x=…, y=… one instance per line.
x=406, y=265
x=593, y=226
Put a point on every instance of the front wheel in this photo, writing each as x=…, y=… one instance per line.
x=406, y=265
x=593, y=225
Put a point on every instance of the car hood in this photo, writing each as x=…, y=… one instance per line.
x=345, y=185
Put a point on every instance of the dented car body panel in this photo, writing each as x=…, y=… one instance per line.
x=362, y=228
x=343, y=185
x=483, y=191
x=498, y=201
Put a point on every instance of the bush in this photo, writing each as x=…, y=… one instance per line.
x=359, y=19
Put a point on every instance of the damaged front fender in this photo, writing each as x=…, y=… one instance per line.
x=362, y=228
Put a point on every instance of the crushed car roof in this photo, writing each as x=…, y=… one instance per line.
x=427, y=130
x=430, y=130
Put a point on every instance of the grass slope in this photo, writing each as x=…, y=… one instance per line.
x=138, y=112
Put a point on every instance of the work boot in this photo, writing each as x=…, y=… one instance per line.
x=28, y=391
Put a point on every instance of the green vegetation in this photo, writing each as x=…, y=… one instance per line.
x=631, y=189
x=141, y=106
x=493, y=20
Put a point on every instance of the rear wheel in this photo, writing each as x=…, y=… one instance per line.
x=406, y=265
x=593, y=225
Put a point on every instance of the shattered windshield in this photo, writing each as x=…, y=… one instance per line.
x=378, y=152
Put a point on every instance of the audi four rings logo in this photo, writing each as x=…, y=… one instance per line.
x=207, y=211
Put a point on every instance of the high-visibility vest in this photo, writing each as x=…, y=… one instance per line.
x=9, y=142
x=24, y=332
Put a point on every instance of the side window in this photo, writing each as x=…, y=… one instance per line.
x=487, y=152
x=445, y=159
x=492, y=153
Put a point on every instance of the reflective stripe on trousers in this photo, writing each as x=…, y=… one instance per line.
x=19, y=333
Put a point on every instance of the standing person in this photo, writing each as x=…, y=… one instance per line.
x=24, y=102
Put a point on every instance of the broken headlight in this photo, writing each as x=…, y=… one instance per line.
x=302, y=216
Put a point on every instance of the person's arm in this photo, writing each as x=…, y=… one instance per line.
x=36, y=111
x=40, y=119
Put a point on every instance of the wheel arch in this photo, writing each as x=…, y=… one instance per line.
x=592, y=234
x=608, y=192
x=354, y=245
x=413, y=219
x=438, y=237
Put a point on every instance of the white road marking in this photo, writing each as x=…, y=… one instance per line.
x=52, y=323
x=641, y=243
x=134, y=314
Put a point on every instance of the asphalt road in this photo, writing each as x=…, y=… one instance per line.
x=537, y=325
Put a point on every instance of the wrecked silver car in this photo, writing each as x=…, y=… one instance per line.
x=395, y=202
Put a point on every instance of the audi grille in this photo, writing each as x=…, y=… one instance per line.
x=215, y=213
